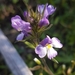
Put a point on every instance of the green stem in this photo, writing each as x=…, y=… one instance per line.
x=47, y=69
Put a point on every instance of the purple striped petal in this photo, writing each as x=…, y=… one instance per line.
x=46, y=41
x=41, y=9
x=49, y=10
x=41, y=51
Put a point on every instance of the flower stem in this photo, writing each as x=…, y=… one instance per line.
x=47, y=69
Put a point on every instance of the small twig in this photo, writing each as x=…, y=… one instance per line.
x=35, y=68
x=46, y=68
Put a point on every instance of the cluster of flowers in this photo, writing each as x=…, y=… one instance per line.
x=35, y=22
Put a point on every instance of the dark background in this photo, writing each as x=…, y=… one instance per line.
x=63, y=21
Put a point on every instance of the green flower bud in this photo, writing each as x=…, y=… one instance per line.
x=37, y=61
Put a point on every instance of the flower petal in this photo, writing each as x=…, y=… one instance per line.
x=26, y=26
x=56, y=43
x=16, y=22
x=41, y=9
x=51, y=53
x=41, y=51
x=20, y=24
x=43, y=22
x=46, y=41
x=20, y=36
x=50, y=9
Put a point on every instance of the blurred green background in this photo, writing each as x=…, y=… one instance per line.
x=63, y=21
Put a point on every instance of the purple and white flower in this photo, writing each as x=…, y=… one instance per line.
x=46, y=47
x=49, y=10
x=20, y=25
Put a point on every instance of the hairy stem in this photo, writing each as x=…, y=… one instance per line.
x=47, y=69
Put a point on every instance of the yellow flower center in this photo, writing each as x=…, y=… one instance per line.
x=49, y=46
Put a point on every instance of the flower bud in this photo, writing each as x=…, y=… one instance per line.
x=43, y=22
x=37, y=61
x=64, y=67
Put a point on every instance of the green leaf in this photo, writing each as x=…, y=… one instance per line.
x=55, y=60
x=29, y=44
x=14, y=1
x=65, y=58
x=26, y=1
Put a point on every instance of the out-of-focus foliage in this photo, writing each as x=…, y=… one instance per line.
x=64, y=28
x=63, y=21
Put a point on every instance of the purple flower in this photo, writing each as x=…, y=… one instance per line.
x=43, y=22
x=49, y=10
x=46, y=47
x=20, y=25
